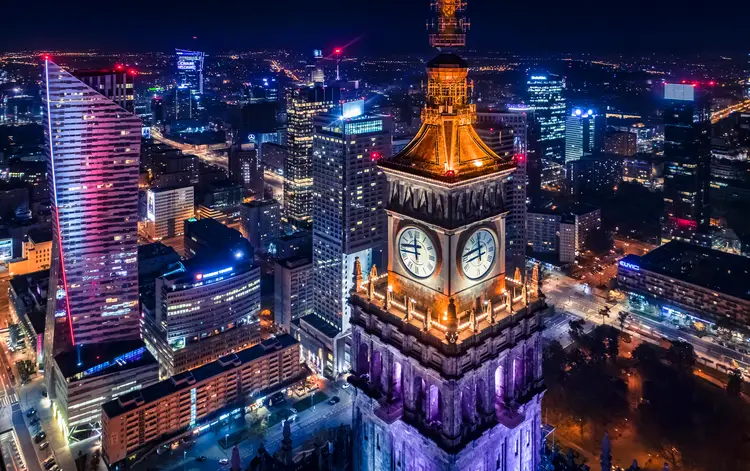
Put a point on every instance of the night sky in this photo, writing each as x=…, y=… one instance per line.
x=385, y=26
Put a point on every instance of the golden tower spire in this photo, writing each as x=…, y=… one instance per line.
x=447, y=147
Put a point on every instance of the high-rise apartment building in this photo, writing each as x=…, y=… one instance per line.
x=94, y=194
x=167, y=209
x=583, y=133
x=349, y=221
x=687, y=161
x=443, y=298
x=190, y=69
x=116, y=84
x=621, y=143
x=260, y=223
x=301, y=107
x=545, y=97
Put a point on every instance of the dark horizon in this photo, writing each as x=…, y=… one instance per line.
x=386, y=27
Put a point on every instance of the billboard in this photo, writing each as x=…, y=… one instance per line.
x=189, y=60
x=150, y=204
x=679, y=91
x=352, y=109
x=6, y=249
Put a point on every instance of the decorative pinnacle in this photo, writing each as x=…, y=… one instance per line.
x=449, y=29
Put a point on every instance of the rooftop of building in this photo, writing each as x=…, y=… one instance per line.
x=575, y=209
x=188, y=379
x=211, y=229
x=38, y=236
x=319, y=324
x=260, y=203
x=97, y=359
x=712, y=269
x=296, y=235
x=295, y=261
x=154, y=250
x=23, y=283
x=166, y=188
x=118, y=69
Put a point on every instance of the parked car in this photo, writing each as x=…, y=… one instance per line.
x=201, y=458
x=43, y=445
x=39, y=437
x=334, y=400
x=30, y=412
x=346, y=386
x=49, y=462
x=34, y=421
x=223, y=461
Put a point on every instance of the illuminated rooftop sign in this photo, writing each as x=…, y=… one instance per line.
x=631, y=266
x=202, y=276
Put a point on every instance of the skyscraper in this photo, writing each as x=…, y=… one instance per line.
x=94, y=195
x=424, y=397
x=93, y=350
x=687, y=160
x=583, y=133
x=545, y=97
x=190, y=69
x=115, y=84
x=348, y=221
x=301, y=107
x=245, y=169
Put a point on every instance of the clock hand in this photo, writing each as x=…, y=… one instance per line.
x=479, y=256
x=471, y=252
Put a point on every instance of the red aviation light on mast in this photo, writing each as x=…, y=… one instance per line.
x=46, y=57
x=119, y=67
x=132, y=72
x=337, y=51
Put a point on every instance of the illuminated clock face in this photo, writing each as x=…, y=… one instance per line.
x=478, y=254
x=417, y=252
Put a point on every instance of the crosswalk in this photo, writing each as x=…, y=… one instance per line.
x=9, y=400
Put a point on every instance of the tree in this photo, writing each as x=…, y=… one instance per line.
x=734, y=383
x=647, y=356
x=604, y=312
x=576, y=328
x=613, y=343
x=682, y=356
x=554, y=361
x=623, y=317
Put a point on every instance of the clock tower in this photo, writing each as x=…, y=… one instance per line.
x=446, y=348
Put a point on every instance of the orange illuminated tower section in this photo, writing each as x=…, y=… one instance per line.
x=446, y=346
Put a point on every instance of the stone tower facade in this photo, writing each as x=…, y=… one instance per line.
x=446, y=347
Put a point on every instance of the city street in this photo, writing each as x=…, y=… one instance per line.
x=572, y=297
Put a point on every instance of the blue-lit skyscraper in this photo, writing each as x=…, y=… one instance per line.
x=349, y=222
x=583, y=132
x=545, y=96
x=190, y=69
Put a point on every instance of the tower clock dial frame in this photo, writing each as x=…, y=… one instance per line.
x=478, y=253
x=417, y=250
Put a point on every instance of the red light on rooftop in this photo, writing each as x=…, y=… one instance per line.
x=132, y=72
x=337, y=50
x=520, y=157
x=118, y=67
x=450, y=173
x=712, y=83
x=375, y=155
x=46, y=57
x=684, y=81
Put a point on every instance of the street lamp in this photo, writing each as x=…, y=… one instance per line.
x=184, y=458
x=226, y=441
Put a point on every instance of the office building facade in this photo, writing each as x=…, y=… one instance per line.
x=94, y=194
x=246, y=170
x=687, y=162
x=545, y=95
x=261, y=223
x=116, y=84
x=293, y=290
x=349, y=221
x=203, y=309
x=583, y=133
x=167, y=209
x=302, y=106
x=85, y=378
x=189, y=66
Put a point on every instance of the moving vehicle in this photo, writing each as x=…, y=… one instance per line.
x=334, y=400
x=223, y=461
